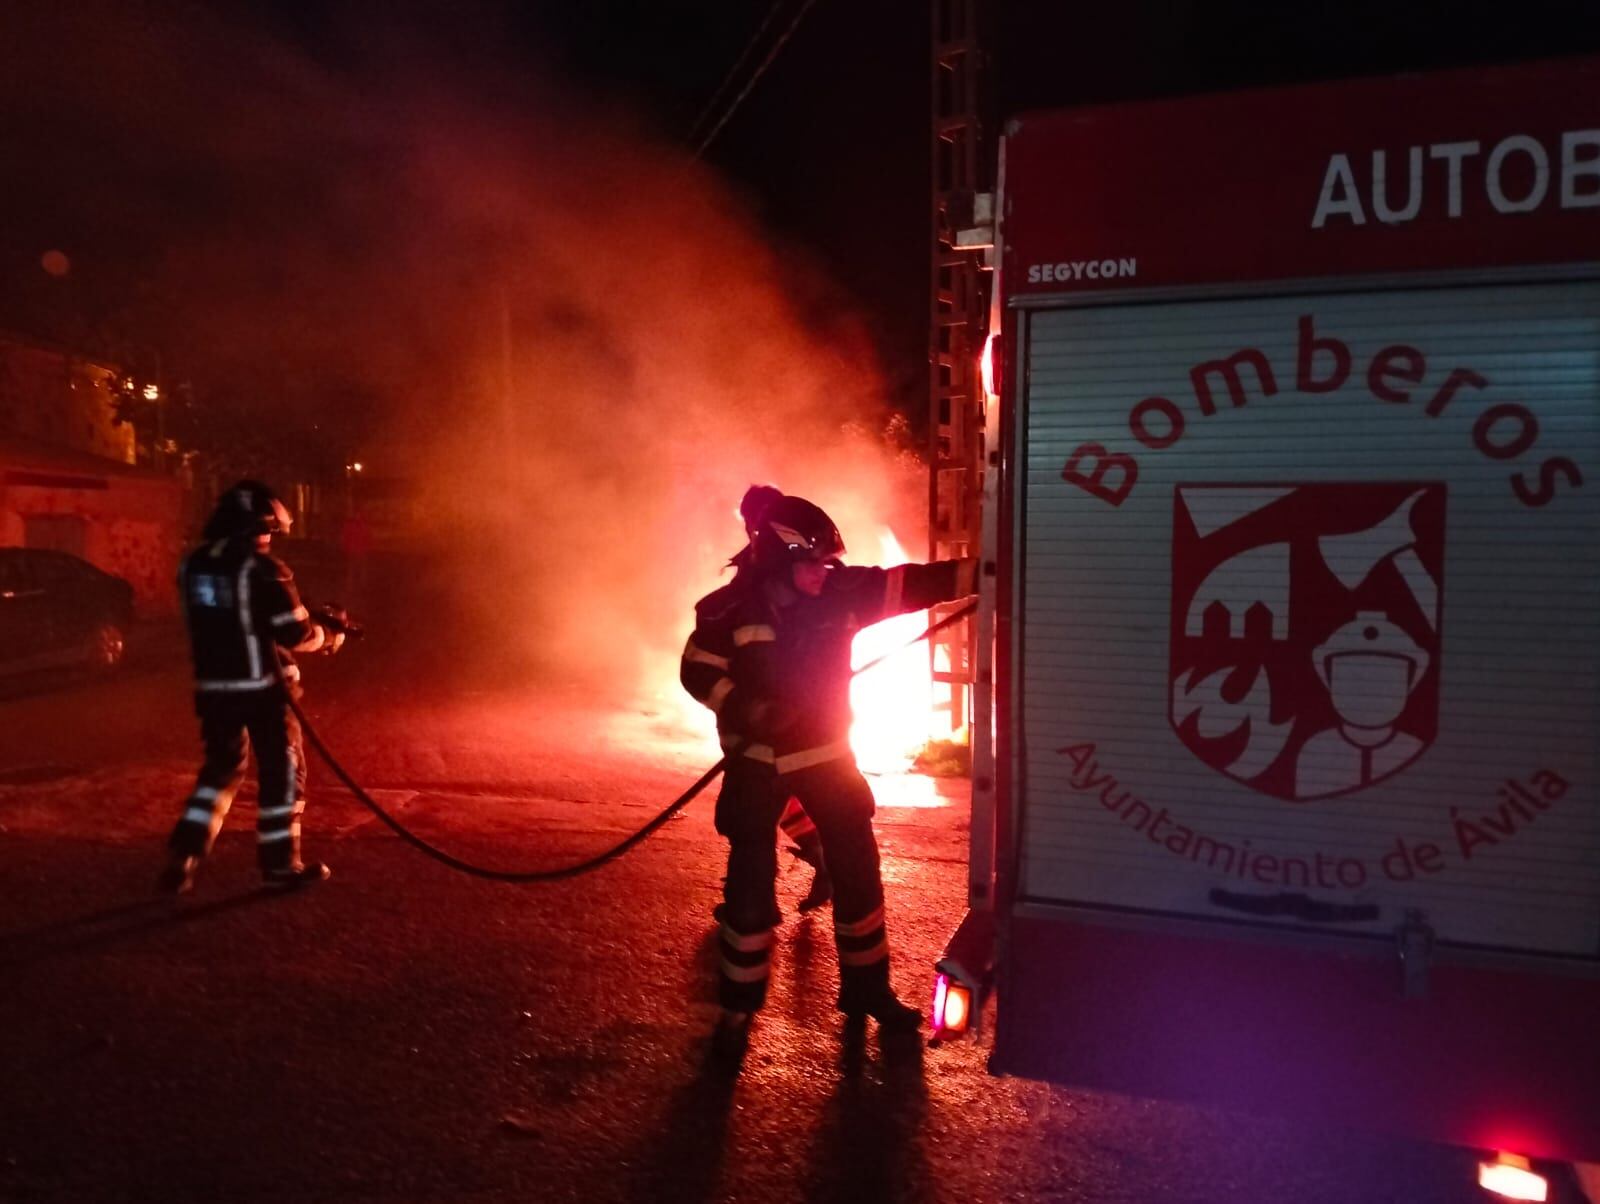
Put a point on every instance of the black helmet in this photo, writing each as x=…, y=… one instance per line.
x=249, y=507
x=793, y=529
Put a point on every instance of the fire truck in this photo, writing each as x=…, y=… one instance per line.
x=1285, y=787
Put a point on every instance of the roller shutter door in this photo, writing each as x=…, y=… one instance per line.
x=1332, y=654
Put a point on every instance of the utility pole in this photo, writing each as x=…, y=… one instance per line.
x=960, y=281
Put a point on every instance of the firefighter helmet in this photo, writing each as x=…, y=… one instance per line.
x=1370, y=666
x=248, y=507
x=793, y=529
x=1371, y=633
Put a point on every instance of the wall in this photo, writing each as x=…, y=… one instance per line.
x=133, y=521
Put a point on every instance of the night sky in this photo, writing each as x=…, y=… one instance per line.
x=832, y=146
x=829, y=152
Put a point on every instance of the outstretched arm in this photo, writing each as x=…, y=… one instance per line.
x=874, y=594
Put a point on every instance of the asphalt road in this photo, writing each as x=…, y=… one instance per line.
x=405, y=1033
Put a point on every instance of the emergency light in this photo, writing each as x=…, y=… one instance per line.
x=1512, y=1177
x=952, y=1007
x=962, y=976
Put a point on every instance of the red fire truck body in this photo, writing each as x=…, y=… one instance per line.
x=1289, y=798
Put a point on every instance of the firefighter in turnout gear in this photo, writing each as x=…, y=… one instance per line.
x=770, y=654
x=794, y=823
x=245, y=622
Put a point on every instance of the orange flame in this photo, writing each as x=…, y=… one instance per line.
x=892, y=702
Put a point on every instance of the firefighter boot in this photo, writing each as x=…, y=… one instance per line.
x=887, y=1009
x=883, y=1006
x=177, y=878
x=293, y=877
x=821, y=882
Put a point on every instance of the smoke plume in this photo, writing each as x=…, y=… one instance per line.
x=563, y=349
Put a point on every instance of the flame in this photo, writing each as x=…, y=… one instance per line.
x=893, y=702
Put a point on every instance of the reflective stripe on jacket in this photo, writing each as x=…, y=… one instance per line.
x=241, y=608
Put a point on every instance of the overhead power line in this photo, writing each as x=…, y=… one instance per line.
x=733, y=71
x=759, y=72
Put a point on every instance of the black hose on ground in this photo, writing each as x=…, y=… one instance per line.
x=581, y=867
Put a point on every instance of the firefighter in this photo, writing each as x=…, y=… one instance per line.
x=794, y=823
x=770, y=654
x=245, y=623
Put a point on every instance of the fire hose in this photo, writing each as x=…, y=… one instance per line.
x=592, y=863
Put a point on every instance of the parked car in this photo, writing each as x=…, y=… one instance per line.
x=58, y=611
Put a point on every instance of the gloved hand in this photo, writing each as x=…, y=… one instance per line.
x=336, y=625
x=332, y=616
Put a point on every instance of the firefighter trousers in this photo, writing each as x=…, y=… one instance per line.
x=230, y=726
x=839, y=802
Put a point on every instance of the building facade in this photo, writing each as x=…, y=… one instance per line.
x=67, y=474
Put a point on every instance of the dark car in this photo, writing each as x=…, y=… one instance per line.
x=57, y=610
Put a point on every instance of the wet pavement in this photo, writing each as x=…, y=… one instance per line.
x=405, y=1033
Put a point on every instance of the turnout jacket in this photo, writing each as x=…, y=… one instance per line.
x=775, y=664
x=241, y=607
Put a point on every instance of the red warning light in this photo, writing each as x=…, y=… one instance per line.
x=1512, y=1177
x=952, y=1007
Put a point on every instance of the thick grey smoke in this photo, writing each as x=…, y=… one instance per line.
x=574, y=348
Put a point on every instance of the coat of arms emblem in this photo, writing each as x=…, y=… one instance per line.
x=1305, y=631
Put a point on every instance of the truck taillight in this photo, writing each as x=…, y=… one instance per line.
x=1512, y=1177
x=952, y=1007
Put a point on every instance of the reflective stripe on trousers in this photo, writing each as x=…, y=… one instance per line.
x=229, y=726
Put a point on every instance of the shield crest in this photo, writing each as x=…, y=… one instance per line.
x=1305, y=631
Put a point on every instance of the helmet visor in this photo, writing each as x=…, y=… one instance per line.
x=800, y=546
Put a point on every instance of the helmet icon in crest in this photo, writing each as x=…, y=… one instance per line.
x=1370, y=668
x=1305, y=630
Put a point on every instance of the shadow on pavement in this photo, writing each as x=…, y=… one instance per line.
x=685, y=1160
x=868, y=1144
x=111, y=926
